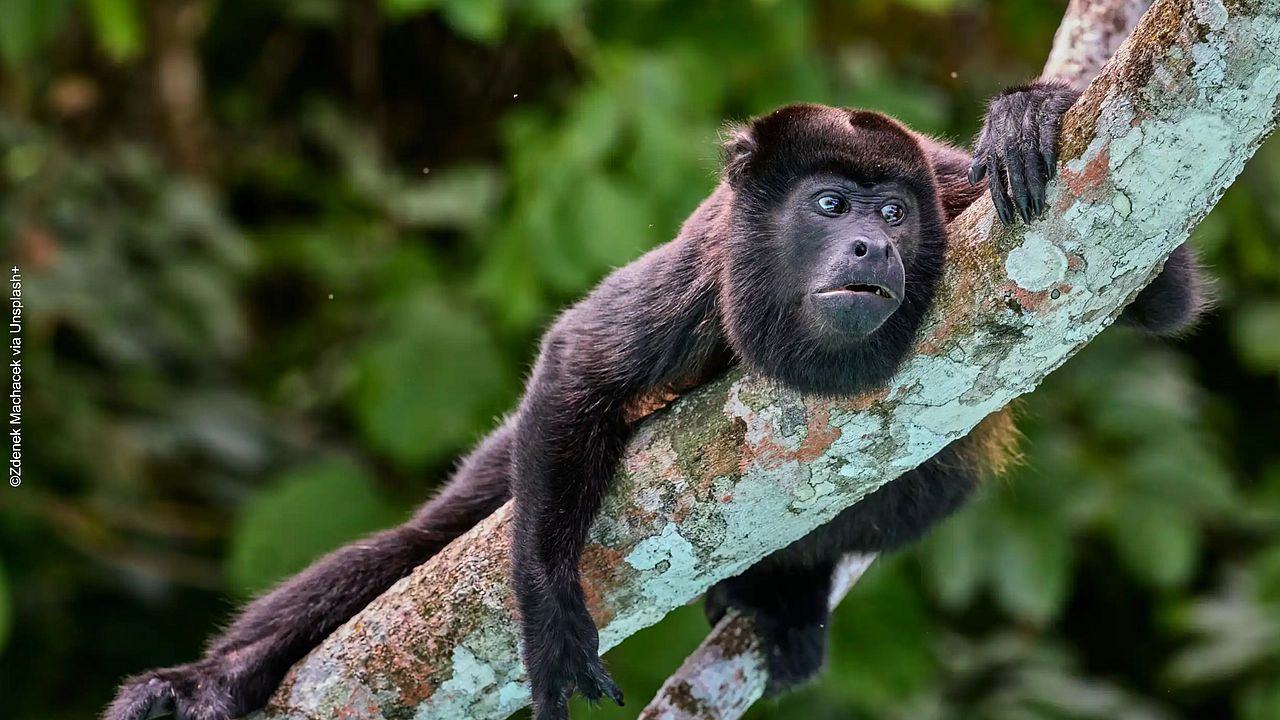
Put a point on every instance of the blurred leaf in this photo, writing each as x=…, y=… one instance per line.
x=1184, y=473
x=429, y=382
x=118, y=25
x=932, y=5
x=302, y=514
x=1257, y=335
x=880, y=649
x=547, y=11
x=1259, y=700
x=1266, y=565
x=609, y=224
x=404, y=8
x=462, y=197
x=1031, y=567
x=27, y=25
x=955, y=556
x=1064, y=693
x=1231, y=632
x=317, y=12
x=1157, y=541
x=478, y=19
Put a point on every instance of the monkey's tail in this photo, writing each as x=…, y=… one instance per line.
x=242, y=666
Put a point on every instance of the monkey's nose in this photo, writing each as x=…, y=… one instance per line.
x=875, y=247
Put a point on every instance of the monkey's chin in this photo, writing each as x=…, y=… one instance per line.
x=852, y=315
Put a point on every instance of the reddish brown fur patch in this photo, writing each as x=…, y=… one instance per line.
x=645, y=405
x=992, y=445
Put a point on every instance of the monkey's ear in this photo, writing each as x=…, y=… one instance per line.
x=738, y=146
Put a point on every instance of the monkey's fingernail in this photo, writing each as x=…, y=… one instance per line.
x=976, y=172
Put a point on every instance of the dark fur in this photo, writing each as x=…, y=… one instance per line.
x=664, y=323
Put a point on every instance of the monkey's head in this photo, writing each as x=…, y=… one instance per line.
x=835, y=248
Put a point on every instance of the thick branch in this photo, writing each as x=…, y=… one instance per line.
x=725, y=675
x=743, y=467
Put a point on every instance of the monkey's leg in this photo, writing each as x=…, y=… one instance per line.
x=1175, y=300
x=790, y=606
x=243, y=666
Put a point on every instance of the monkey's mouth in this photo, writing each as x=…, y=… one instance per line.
x=878, y=290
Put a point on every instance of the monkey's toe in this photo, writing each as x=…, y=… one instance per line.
x=141, y=698
x=594, y=682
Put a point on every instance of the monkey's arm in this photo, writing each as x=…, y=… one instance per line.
x=647, y=326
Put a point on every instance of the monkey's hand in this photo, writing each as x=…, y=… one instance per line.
x=1017, y=150
x=562, y=652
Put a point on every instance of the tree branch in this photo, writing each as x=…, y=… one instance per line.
x=1088, y=36
x=742, y=467
x=726, y=675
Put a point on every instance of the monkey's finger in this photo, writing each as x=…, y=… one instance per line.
x=999, y=195
x=1018, y=185
x=1048, y=148
x=1035, y=178
x=1050, y=160
x=978, y=167
x=613, y=691
x=595, y=682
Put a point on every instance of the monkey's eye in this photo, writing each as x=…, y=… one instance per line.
x=892, y=213
x=832, y=204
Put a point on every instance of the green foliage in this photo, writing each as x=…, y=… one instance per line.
x=307, y=511
x=417, y=415
x=27, y=26
x=235, y=370
x=873, y=665
x=118, y=25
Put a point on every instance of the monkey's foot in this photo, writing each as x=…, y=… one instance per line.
x=188, y=692
x=794, y=654
x=587, y=676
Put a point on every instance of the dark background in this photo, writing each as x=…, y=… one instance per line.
x=286, y=259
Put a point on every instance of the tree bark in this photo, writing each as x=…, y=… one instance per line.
x=1088, y=36
x=742, y=467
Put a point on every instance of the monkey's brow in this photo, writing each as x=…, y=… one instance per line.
x=864, y=186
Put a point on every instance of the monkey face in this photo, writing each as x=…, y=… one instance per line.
x=835, y=249
x=846, y=245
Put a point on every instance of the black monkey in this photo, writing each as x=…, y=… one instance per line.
x=813, y=262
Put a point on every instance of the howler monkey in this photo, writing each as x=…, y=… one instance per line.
x=812, y=262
